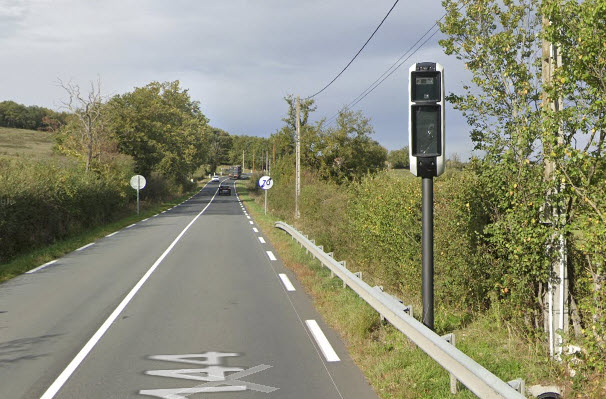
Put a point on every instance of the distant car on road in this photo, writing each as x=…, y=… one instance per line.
x=224, y=190
x=215, y=179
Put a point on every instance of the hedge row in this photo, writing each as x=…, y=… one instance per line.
x=45, y=201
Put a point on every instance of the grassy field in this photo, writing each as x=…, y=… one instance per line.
x=393, y=365
x=22, y=142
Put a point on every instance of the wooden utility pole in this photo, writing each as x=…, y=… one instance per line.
x=556, y=301
x=298, y=162
x=242, y=160
x=253, y=168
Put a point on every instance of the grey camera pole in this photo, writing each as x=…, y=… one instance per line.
x=427, y=226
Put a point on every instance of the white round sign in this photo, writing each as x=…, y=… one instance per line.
x=266, y=182
x=137, y=182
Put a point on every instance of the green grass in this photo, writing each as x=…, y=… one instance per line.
x=39, y=256
x=22, y=142
x=393, y=365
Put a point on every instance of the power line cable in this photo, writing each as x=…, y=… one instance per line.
x=355, y=56
x=374, y=85
x=381, y=78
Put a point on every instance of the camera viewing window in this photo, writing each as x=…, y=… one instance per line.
x=427, y=135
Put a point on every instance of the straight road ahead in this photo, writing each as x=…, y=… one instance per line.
x=191, y=303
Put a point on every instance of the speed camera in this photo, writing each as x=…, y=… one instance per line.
x=426, y=119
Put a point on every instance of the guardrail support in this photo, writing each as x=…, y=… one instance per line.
x=518, y=385
x=450, y=338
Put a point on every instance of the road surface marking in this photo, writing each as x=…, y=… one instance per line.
x=247, y=217
x=128, y=227
x=144, y=220
x=255, y=230
x=322, y=341
x=41, y=267
x=112, y=234
x=86, y=246
x=286, y=282
x=262, y=240
x=271, y=255
x=251, y=222
x=73, y=365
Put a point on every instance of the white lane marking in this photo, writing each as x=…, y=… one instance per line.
x=255, y=230
x=286, y=282
x=112, y=234
x=41, y=267
x=247, y=217
x=155, y=215
x=322, y=341
x=162, y=211
x=251, y=222
x=262, y=240
x=128, y=227
x=73, y=365
x=271, y=255
x=85, y=246
x=144, y=220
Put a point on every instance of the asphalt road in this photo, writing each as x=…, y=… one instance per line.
x=191, y=303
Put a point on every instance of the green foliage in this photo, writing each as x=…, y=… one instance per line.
x=161, y=128
x=33, y=117
x=398, y=159
x=44, y=201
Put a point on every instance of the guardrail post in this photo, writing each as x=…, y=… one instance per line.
x=331, y=254
x=450, y=338
x=518, y=385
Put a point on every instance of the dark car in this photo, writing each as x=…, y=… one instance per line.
x=224, y=190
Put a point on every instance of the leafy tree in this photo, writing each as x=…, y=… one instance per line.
x=219, y=146
x=285, y=138
x=345, y=152
x=162, y=128
x=399, y=158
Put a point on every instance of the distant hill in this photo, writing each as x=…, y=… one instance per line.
x=25, y=142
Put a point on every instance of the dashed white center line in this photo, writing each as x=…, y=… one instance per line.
x=247, y=217
x=286, y=282
x=271, y=255
x=262, y=240
x=322, y=341
x=251, y=222
x=112, y=234
x=86, y=246
x=41, y=267
x=255, y=230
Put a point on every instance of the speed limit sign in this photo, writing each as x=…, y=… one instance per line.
x=266, y=182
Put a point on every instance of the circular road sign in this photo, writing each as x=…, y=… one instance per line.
x=266, y=182
x=137, y=182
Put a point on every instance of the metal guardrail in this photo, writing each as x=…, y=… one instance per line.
x=470, y=373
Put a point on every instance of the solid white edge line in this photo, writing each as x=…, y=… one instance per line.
x=41, y=267
x=255, y=230
x=85, y=246
x=112, y=234
x=73, y=365
x=145, y=220
x=286, y=281
x=322, y=341
x=128, y=227
x=271, y=255
x=262, y=240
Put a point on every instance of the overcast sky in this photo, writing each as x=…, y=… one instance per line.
x=239, y=58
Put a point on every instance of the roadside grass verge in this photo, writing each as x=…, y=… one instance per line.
x=38, y=256
x=392, y=364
